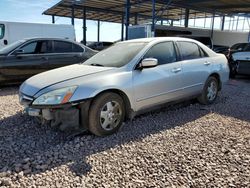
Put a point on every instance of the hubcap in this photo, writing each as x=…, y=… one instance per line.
x=212, y=91
x=110, y=116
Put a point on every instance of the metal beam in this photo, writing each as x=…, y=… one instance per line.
x=212, y=32
x=153, y=17
x=98, y=30
x=122, y=27
x=73, y=15
x=223, y=23
x=53, y=19
x=186, y=17
x=128, y=6
x=84, y=26
x=136, y=19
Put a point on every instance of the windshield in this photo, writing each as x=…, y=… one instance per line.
x=239, y=46
x=116, y=56
x=11, y=47
x=1, y=31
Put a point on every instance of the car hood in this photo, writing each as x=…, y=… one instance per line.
x=43, y=80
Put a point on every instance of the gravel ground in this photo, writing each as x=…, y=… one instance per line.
x=185, y=145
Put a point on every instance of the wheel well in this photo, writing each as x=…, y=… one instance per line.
x=128, y=110
x=217, y=76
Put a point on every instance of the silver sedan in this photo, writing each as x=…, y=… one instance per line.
x=124, y=80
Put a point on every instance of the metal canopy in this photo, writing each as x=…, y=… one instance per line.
x=141, y=10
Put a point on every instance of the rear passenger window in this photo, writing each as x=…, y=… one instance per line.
x=190, y=50
x=46, y=47
x=164, y=52
x=77, y=48
x=203, y=53
x=62, y=47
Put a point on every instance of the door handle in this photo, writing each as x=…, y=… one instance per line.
x=207, y=63
x=45, y=58
x=176, y=70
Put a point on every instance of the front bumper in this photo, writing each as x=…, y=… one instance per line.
x=70, y=116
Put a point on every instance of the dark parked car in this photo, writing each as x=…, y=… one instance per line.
x=203, y=39
x=221, y=49
x=99, y=45
x=28, y=57
x=239, y=59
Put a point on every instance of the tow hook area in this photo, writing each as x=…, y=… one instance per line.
x=66, y=119
x=69, y=118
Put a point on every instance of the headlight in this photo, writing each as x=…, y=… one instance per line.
x=59, y=96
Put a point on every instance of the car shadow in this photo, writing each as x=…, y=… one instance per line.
x=9, y=90
x=27, y=146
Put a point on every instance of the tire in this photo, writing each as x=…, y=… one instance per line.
x=106, y=115
x=233, y=70
x=210, y=91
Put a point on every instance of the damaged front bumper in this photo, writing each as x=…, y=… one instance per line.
x=70, y=116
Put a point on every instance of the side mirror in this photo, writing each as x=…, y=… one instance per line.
x=18, y=52
x=148, y=63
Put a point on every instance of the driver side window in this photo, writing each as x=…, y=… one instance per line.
x=29, y=48
x=164, y=52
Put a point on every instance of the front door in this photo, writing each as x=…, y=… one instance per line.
x=18, y=67
x=159, y=84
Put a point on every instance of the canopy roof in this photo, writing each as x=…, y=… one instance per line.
x=141, y=10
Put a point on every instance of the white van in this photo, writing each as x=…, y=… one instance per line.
x=13, y=31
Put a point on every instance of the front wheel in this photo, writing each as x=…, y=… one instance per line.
x=106, y=114
x=210, y=91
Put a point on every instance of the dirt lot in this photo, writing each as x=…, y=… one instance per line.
x=186, y=145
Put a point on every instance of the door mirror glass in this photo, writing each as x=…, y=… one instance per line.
x=148, y=63
x=18, y=52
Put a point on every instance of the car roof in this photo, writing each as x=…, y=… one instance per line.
x=59, y=39
x=49, y=38
x=159, y=39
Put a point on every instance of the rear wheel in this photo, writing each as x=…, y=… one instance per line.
x=210, y=91
x=106, y=114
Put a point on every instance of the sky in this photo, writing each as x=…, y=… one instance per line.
x=31, y=11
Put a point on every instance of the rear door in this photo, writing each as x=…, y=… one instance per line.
x=65, y=53
x=196, y=66
x=18, y=67
x=159, y=84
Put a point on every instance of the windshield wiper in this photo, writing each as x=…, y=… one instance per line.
x=96, y=64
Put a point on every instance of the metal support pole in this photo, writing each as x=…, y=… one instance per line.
x=237, y=23
x=73, y=15
x=233, y=23
x=98, y=30
x=172, y=22
x=127, y=17
x=122, y=27
x=223, y=23
x=136, y=19
x=243, y=26
x=53, y=19
x=84, y=26
x=153, y=18
x=212, y=32
x=186, y=18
